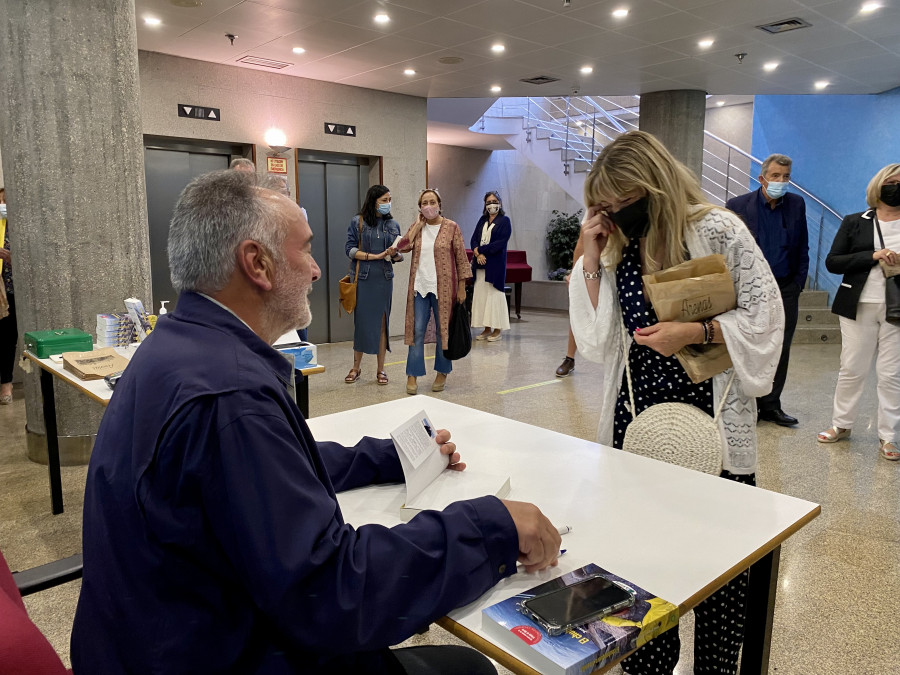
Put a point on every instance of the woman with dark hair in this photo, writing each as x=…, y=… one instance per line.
x=9, y=332
x=863, y=241
x=437, y=278
x=488, y=244
x=370, y=240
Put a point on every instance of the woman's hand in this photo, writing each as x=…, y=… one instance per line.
x=415, y=228
x=669, y=337
x=889, y=256
x=4, y=254
x=594, y=234
x=461, y=291
x=481, y=259
x=390, y=252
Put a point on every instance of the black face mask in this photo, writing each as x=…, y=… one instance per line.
x=890, y=194
x=633, y=220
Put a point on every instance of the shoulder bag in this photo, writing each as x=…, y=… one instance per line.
x=347, y=288
x=891, y=288
x=677, y=433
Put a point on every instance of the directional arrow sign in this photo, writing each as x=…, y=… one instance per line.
x=340, y=129
x=199, y=112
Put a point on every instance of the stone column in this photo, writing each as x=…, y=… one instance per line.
x=677, y=119
x=70, y=129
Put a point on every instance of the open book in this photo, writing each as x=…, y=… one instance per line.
x=428, y=484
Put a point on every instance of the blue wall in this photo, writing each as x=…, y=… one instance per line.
x=837, y=143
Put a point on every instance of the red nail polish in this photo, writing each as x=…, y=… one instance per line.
x=638, y=330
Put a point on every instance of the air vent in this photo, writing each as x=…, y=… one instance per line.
x=540, y=79
x=784, y=26
x=450, y=60
x=265, y=63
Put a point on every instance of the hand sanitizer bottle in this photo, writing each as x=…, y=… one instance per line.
x=162, y=307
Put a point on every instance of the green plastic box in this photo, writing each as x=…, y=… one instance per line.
x=43, y=343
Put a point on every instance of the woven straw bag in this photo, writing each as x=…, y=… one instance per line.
x=677, y=433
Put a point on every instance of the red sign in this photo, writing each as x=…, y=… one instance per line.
x=276, y=165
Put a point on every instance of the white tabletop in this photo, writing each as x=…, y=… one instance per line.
x=677, y=533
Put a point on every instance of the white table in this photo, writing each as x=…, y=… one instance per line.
x=100, y=392
x=677, y=533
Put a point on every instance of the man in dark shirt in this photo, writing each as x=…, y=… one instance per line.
x=213, y=541
x=777, y=219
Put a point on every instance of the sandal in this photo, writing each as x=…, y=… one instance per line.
x=381, y=377
x=832, y=435
x=351, y=377
x=889, y=450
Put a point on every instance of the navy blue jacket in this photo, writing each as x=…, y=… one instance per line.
x=495, y=251
x=794, y=218
x=213, y=542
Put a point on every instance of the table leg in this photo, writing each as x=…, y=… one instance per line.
x=518, y=299
x=763, y=585
x=302, y=385
x=56, y=496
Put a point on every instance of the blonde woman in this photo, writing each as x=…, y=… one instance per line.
x=855, y=253
x=437, y=278
x=646, y=213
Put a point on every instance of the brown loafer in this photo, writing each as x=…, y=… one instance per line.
x=352, y=376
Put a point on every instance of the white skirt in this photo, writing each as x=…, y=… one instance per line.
x=489, y=305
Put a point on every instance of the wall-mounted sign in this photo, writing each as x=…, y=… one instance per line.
x=199, y=112
x=276, y=165
x=340, y=129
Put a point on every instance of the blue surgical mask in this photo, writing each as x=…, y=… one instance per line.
x=776, y=190
x=384, y=209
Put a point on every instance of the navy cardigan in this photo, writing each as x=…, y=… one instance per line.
x=495, y=251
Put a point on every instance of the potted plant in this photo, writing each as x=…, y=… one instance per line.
x=562, y=235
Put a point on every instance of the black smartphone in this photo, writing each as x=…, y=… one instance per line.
x=586, y=600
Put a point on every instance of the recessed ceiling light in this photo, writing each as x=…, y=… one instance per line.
x=152, y=21
x=298, y=50
x=382, y=18
x=579, y=123
x=821, y=84
x=498, y=48
x=870, y=7
x=587, y=70
x=770, y=66
x=409, y=71
x=495, y=88
x=620, y=13
x=720, y=103
x=706, y=44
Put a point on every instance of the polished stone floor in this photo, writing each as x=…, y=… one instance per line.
x=839, y=587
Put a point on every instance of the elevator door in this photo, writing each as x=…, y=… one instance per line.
x=167, y=173
x=331, y=194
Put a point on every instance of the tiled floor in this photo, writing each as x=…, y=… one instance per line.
x=839, y=588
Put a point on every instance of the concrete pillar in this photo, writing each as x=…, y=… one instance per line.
x=677, y=119
x=70, y=129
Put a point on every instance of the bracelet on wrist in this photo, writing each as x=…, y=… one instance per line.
x=591, y=275
x=705, y=332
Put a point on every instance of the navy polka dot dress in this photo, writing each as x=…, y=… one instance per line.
x=655, y=378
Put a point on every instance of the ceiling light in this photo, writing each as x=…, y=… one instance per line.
x=579, y=123
x=821, y=84
x=495, y=88
x=620, y=13
x=498, y=48
x=298, y=50
x=382, y=18
x=275, y=137
x=770, y=66
x=409, y=71
x=152, y=21
x=720, y=103
x=870, y=7
x=705, y=44
x=587, y=70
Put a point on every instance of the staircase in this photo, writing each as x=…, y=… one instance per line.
x=816, y=324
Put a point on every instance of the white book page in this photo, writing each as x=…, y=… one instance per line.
x=420, y=456
x=454, y=486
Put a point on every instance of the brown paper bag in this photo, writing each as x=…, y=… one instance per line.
x=889, y=270
x=692, y=291
x=94, y=365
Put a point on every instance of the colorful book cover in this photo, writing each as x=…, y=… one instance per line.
x=588, y=647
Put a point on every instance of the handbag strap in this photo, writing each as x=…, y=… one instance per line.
x=631, y=408
x=356, y=275
x=878, y=227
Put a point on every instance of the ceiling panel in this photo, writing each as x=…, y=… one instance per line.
x=655, y=45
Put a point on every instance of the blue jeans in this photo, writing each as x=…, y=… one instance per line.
x=415, y=361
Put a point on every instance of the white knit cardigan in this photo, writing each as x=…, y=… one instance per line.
x=753, y=333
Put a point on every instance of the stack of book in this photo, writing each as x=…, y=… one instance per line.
x=115, y=330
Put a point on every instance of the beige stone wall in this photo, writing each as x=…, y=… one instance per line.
x=392, y=126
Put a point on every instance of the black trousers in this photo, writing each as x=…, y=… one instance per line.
x=443, y=660
x=790, y=296
x=9, y=337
